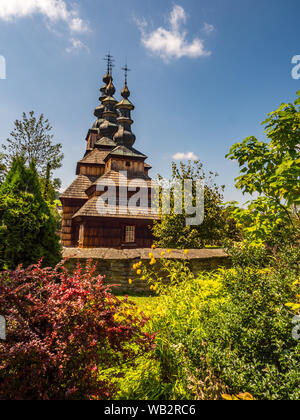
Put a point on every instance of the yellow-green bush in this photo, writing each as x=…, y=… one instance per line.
x=222, y=333
x=185, y=304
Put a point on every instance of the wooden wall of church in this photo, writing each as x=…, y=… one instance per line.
x=70, y=207
x=111, y=234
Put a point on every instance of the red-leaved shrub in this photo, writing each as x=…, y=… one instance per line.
x=62, y=330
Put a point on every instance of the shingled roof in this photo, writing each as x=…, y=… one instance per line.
x=105, y=141
x=93, y=208
x=96, y=156
x=78, y=187
x=124, y=151
x=121, y=180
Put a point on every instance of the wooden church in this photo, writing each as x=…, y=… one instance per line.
x=110, y=158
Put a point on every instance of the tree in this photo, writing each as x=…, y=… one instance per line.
x=28, y=228
x=172, y=231
x=2, y=168
x=272, y=171
x=32, y=140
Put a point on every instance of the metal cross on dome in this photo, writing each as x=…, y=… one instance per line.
x=126, y=70
x=110, y=62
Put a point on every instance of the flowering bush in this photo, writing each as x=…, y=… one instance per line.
x=178, y=369
x=226, y=333
x=165, y=272
x=62, y=331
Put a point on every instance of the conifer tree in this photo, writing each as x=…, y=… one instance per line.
x=27, y=226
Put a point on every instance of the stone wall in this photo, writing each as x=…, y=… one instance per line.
x=117, y=265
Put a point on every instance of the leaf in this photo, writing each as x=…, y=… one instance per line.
x=246, y=397
x=227, y=397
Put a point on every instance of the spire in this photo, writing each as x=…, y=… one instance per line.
x=105, y=111
x=126, y=92
x=108, y=76
x=106, y=79
x=109, y=59
x=124, y=136
x=109, y=126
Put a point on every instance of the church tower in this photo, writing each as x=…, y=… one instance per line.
x=110, y=160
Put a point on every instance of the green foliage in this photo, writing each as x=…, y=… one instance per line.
x=32, y=140
x=173, y=232
x=27, y=224
x=271, y=170
x=227, y=332
x=246, y=255
x=49, y=188
x=250, y=343
x=143, y=381
x=185, y=304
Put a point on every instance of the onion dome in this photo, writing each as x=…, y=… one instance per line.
x=103, y=93
x=99, y=121
x=124, y=135
x=110, y=90
x=125, y=92
x=109, y=126
x=104, y=111
x=107, y=78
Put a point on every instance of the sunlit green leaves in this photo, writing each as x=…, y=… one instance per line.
x=270, y=169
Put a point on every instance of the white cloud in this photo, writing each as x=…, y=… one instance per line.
x=76, y=46
x=171, y=43
x=177, y=16
x=185, y=156
x=208, y=28
x=54, y=10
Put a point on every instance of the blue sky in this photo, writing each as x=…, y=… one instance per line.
x=204, y=72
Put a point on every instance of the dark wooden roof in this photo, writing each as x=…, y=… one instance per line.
x=106, y=142
x=121, y=180
x=91, y=209
x=126, y=152
x=96, y=156
x=78, y=187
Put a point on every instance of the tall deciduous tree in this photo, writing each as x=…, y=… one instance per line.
x=172, y=230
x=271, y=170
x=32, y=140
x=27, y=225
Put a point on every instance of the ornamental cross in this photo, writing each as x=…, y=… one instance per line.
x=110, y=62
x=126, y=70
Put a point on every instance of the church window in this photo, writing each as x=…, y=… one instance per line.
x=130, y=234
